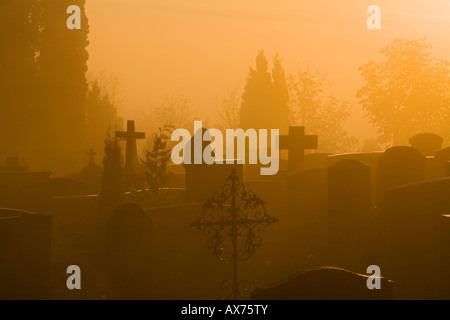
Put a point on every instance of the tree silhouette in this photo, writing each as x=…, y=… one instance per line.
x=176, y=109
x=407, y=93
x=112, y=176
x=101, y=111
x=62, y=84
x=264, y=102
x=19, y=31
x=324, y=116
x=228, y=109
x=157, y=159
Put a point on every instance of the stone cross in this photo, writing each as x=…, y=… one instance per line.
x=296, y=143
x=130, y=136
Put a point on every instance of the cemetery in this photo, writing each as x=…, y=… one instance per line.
x=310, y=233
x=132, y=169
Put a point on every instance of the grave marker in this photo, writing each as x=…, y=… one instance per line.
x=132, y=165
x=129, y=252
x=296, y=142
x=349, y=214
x=25, y=255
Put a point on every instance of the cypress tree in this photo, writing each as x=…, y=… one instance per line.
x=63, y=86
x=265, y=98
x=19, y=31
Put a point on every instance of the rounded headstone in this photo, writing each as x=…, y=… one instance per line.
x=426, y=143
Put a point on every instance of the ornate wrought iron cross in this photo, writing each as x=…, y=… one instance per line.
x=234, y=216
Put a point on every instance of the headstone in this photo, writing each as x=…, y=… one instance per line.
x=445, y=257
x=92, y=174
x=325, y=283
x=426, y=143
x=412, y=215
x=61, y=187
x=369, y=159
x=25, y=255
x=133, y=170
x=316, y=160
x=202, y=178
x=129, y=252
x=182, y=258
x=296, y=143
x=349, y=215
x=12, y=165
x=17, y=186
x=442, y=160
x=75, y=219
x=399, y=166
x=307, y=208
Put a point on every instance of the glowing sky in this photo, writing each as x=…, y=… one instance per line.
x=203, y=48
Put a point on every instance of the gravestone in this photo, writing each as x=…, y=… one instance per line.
x=133, y=170
x=369, y=159
x=445, y=257
x=426, y=143
x=412, y=216
x=399, y=166
x=75, y=219
x=349, y=215
x=92, y=174
x=296, y=142
x=185, y=269
x=324, y=283
x=25, y=255
x=177, y=176
x=12, y=165
x=60, y=187
x=18, y=186
x=307, y=208
x=129, y=252
x=442, y=162
x=201, y=179
x=316, y=160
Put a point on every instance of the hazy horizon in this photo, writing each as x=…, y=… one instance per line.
x=204, y=49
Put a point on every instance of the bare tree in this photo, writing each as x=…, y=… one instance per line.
x=228, y=110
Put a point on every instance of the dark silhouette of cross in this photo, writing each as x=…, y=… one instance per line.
x=130, y=136
x=91, y=155
x=296, y=143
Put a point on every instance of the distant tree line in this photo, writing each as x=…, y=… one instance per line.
x=407, y=93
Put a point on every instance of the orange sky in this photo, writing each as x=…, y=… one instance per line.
x=203, y=48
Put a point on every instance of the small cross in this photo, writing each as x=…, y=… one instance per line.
x=296, y=143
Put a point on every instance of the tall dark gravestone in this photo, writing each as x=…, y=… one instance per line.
x=399, y=166
x=349, y=214
x=307, y=208
x=413, y=221
x=129, y=252
x=25, y=255
x=442, y=162
x=445, y=257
